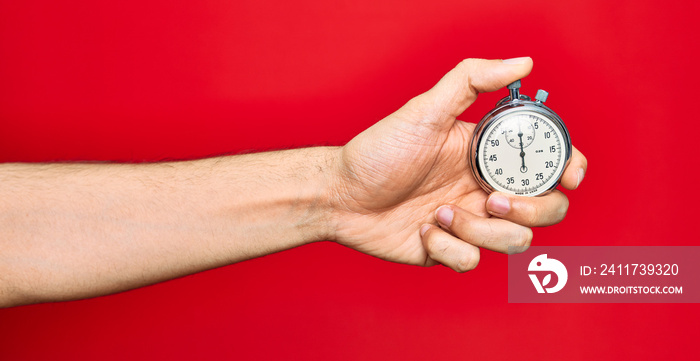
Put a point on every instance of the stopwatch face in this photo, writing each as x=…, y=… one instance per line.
x=522, y=153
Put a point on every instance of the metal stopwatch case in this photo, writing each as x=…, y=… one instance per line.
x=520, y=147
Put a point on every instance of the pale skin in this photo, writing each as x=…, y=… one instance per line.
x=400, y=191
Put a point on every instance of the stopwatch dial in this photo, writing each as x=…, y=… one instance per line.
x=518, y=129
x=527, y=167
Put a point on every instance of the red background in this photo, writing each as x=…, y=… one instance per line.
x=150, y=80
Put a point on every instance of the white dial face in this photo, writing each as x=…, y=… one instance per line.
x=522, y=153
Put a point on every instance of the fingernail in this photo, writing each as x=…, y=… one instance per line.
x=424, y=229
x=520, y=60
x=581, y=173
x=498, y=204
x=444, y=215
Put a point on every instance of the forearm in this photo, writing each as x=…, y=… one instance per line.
x=81, y=230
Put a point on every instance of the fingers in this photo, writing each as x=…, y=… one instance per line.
x=491, y=233
x=529, y=211
x=458, y=89
x=573, y=175
x=449, y=250
x=460, y=250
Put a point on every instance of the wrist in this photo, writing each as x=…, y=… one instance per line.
x=318, y=219
x=338, y=217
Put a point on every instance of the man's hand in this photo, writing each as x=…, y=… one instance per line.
x=393, y=177
x=83, y=230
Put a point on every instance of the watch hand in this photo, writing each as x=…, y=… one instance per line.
x=523, y=169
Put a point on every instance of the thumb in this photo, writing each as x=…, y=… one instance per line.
x=458, y=89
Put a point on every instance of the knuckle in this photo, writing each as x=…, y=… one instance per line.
x=562, y=209
x=434, y=243
x=419, y=106
x=466, y=64
x=524, y=240
x=468, y=262
x=470, y=68
x=429, y=238
x=421, y=111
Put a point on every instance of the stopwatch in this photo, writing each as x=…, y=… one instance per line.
x=520, y=147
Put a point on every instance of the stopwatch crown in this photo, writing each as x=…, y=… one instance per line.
x=514, y=92
x=541, y=96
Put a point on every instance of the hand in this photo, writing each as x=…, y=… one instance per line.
x=390, y=180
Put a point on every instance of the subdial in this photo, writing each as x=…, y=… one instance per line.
x=519, y=132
